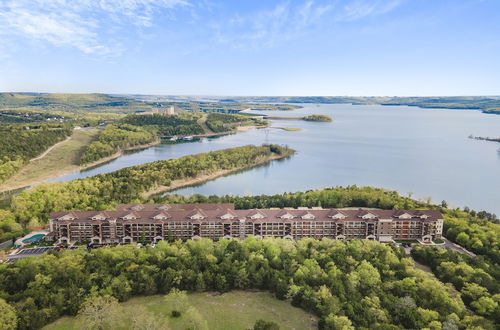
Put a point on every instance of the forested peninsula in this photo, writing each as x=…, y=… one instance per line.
x=32, y=207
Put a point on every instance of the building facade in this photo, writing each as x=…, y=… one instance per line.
x=154, y=222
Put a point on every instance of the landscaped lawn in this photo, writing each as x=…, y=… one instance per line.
x=232, y=310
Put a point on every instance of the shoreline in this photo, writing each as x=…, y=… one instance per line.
x=176, y=184
x=77, y=168
x=117, y=154
x=101, y=161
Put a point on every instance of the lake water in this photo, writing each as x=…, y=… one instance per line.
x=425, y=152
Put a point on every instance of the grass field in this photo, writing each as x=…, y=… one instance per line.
x=232, y=310
x=64, y=158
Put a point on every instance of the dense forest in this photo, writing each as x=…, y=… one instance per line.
x=477, y=278
x=322, y=118
x=33, y=206
x=166, y=125
x=20, y=143
x=218, y=122
x=355, y=284
x=115, y=138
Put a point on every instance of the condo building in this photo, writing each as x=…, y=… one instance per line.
x=131, y=223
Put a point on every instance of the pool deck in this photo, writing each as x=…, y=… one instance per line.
x=20, y=242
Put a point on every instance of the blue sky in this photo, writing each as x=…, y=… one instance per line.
x=215, y=47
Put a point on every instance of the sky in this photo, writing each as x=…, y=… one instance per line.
x=253, y=47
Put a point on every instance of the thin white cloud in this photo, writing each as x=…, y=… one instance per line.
x=85, y=25
x=288, y=20
x=359, y=9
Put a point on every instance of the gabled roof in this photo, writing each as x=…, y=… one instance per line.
x=131, y=215
x=367, y=214
x=137, y=207
x=196, y=213
x=162, y=215
x=307, y=215
x=256, y=214
x=227, y=214
x=285, y=214
x=335, y=214
x=99, y=216
x=68, y=215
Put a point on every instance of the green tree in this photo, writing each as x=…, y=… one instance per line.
x=99, y=313
x=8, y=318
x=142, y=319
x=463, y=239
x=334, y=322
x=194, y=320
x=265, y=325
x=177, y=302
x=485, y=306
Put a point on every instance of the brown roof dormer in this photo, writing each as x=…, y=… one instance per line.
x=137, y=207
x=256, y=214
x=131, y=216
x=162, y=216
x=197, y=214
x=284, y=214
x=336, y=214
x=227, y=215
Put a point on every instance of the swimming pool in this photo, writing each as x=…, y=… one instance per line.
x=33, y=238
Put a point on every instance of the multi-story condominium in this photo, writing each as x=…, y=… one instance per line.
x=154, y=222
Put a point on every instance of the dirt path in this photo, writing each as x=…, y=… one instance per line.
x=203, y=123
x=50, y=149
x=63, y=158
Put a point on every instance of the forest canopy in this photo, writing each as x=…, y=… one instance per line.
x=361, y=284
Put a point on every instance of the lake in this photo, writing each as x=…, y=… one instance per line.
x=422, y=152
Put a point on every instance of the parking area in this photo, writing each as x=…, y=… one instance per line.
x=35, y=251
x=32, y=252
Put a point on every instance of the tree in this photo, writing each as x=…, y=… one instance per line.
x=170, y=236
x=177, y=302
x=334, y=322
x=463, y=239
x=99, y=313
x=142, y=239
x=195, y=320
x=8, y=318
x=265, y=325
x=484, y=306
x=145, y=320
x=369, y=276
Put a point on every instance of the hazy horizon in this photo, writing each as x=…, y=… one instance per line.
x=240, y=95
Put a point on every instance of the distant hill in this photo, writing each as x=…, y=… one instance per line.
x=488, y=104
x=72, y=102
x=127, y=103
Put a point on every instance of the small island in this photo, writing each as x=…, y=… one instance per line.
x=322, y=118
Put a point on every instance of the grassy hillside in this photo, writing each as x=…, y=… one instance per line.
x=218, y=310
x=62, y=159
